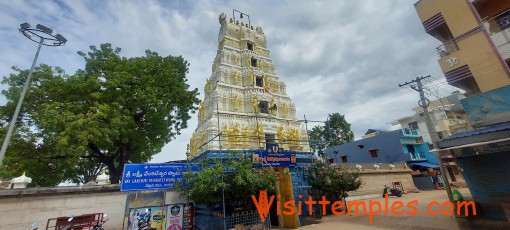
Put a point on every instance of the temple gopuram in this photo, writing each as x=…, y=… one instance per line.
x=246, y=102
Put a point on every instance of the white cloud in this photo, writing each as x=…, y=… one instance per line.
x=335, y=56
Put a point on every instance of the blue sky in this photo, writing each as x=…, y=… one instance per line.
x=335, y=56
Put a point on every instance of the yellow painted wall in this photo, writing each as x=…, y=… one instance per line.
x=477, y=53
x=442, y=125
x=456, y=13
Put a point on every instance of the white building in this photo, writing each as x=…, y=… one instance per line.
x=446, y=113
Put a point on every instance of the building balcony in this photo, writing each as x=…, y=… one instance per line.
x=410, y=132
x=447, y=48
x=498, y=28
x=416, y=156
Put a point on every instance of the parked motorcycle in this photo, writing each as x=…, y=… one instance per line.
x=393, y=192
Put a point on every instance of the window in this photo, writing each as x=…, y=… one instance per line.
x=263, y=106
x=344, y=159
x=250, y=46
x=410, y=148
x=331, y=161
x=259, y=81
x=413, y=125
x=253, y=62
x=503, y=20
x=270, y=139
x=374, y=152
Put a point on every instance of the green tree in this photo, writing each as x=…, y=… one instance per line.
x=317, y=139
x=86, y=171
x=240, y=181
x=332, y=181
x=25, y=155
x=116, y=110
x=337, y=130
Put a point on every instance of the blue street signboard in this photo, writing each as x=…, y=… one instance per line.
x=139, y=177
x=274, y=156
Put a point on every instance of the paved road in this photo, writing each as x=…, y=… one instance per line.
x=422, y=220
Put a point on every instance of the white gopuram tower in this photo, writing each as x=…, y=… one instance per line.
x=244, y=98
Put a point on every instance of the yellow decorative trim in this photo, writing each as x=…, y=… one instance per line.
x=255, y=104
x=262, y=51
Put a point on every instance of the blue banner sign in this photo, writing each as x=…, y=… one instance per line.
x=139, y=177
x=274, y=156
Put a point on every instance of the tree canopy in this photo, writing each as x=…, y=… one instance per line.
x=336, y=131
x=114, y=111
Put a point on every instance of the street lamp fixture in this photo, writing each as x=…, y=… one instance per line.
x=25, y=26
x=61, y=38
x=44, y=29
x=42, y=35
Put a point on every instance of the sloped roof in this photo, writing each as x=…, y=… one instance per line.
x=373, y=131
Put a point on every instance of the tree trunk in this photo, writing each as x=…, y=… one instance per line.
x=115, y=172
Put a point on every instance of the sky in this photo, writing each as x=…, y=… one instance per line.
x=342, y=56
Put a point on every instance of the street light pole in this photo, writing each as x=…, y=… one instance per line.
x=45, y=38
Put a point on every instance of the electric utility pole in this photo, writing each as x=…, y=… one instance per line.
x=424, y=103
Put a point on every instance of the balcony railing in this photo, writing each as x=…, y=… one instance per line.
x=499, y=30
x=417, y=156
x=410, y=132
x=447, y=48
x=498, y=23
